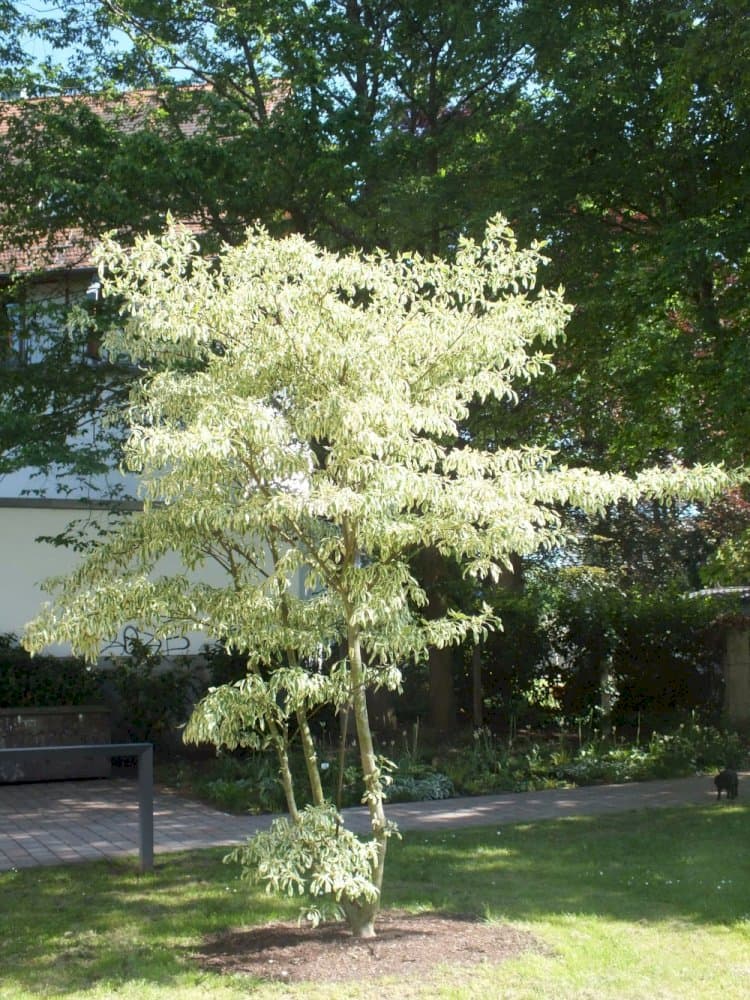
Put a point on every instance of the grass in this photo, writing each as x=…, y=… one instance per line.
x=645, y=904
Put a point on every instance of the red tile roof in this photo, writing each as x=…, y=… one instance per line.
x=70, y=250
x=67, y=251
x=130, y=111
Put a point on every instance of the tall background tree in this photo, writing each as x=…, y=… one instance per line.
x=631, y=152
x=616, y=132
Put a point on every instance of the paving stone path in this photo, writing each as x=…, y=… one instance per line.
x=65, y=821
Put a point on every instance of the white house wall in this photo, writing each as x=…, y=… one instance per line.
x=28, y=562
x=30, y=508
x=65, y=290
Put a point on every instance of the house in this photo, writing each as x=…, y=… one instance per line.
x=40, y=280
x=45, y=281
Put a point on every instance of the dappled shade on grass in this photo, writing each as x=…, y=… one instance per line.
x=574, y=884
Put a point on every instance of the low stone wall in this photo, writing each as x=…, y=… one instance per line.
x=68, y=725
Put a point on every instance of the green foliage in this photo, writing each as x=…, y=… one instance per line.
x=300, y=426
x=411, y=778
x=316, y=857
x=404, y=125
x=44, y=681
x=380, y=473
x=222, y=665
x=691, y=749
x=484, y=765
x=512, y=658
x=488, y=765
x=647, y=104
x=662, y=651
x=661, y=546
x=245, y=784
x=700, y=747
x=241, y=782
x=250, y=782
x=52, y=393
x=152, y=697
x=242, y=795
x=730, y=563
x=419, y=785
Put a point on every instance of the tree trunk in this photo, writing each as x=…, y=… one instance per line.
x=477, y=701
x=360, y=914
x=442, y=701
x=360, y=917
x=311, y=758
x=432, y=571
x=281, y=743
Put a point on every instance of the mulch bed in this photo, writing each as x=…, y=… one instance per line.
x=407, y=946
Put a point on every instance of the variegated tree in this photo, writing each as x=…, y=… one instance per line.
x=300, y=417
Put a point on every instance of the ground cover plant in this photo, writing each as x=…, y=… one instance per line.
x=640, y=904
x=480, y=763
x=488, y=763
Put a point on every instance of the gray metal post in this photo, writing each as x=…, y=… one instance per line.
x=12, y=756
x=146, y=808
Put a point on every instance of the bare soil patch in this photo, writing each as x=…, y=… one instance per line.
x=407, y=946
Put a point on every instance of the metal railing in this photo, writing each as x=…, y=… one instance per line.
x=145, y=754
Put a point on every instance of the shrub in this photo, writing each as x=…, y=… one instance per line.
x=487, y=766
x=222, y=665
x=245, y=784
x=316, y=856
x=153, y=698
x=695, y=747
x=662, y=652
x=415, y=788
x=44, y=681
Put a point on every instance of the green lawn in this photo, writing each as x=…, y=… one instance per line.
x=649, y=904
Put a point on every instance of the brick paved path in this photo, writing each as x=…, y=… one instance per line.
x=55, y=822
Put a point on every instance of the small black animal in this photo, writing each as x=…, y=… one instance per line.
x=726, y=781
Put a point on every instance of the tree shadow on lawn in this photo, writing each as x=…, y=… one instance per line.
x=64, y=929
